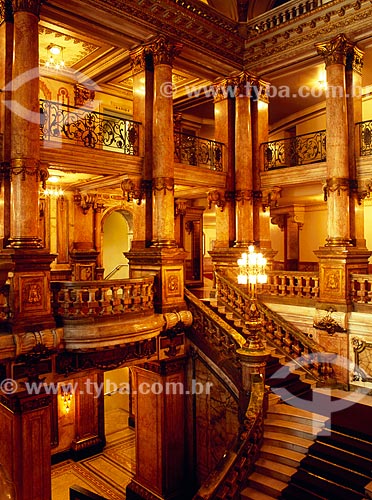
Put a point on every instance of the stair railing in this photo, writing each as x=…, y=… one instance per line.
x=289, y=340
x=219, y=341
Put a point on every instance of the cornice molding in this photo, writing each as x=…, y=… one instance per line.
x=183, y=21
x=298, y=37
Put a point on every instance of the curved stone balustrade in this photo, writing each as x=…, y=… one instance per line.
x=74, y=300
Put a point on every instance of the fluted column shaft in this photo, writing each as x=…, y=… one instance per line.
x=163, y=144
x=25, y=123
x=243, y=163
x=337, y=188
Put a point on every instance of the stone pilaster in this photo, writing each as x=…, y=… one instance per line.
x=160, y=432
x=25, y=451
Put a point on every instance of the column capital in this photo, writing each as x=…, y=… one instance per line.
x=31, y=6
x=335, y=51
x=354, y=60
x=6, y=11
x=164, y=50
x=138, y=59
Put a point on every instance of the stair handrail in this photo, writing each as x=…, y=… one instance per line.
x=222, y=352
x=243, y=450
x=114, y=271
x=239, y=458
x=298, y=345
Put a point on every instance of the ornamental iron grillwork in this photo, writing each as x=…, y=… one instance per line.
x=198, y=151
x=89, y=128
x=365, y=134
x=298, y=150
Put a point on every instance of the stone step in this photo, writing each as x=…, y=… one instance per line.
x=281, y=455
x=252, y=494
x=282, y=440
x=265, y=484
x=274, y=469
x=273, y=424
x=292, y=414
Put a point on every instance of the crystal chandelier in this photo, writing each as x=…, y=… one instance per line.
x=55, y=60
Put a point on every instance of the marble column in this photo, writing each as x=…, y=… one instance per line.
x=164, y=52
x=6, y=47
x=223, y=255
x=143, y=97
x=243, y=161
x=25, y=126
x=30, y=289
x=354, y=65
x=160, y=256
x=337, y=189
x=224, y=131
x=263, y=200
x=340, y=256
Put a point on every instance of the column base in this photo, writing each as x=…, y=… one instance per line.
x=26, y=243
x=164, y=244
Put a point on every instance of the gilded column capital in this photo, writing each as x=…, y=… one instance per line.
x=6, y=11
x=336, y=185
x=354, y=60
x=32, y=6
x=164, y=50
x=336, y=50
x=138, y=59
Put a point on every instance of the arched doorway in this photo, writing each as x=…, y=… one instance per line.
x=117, y=238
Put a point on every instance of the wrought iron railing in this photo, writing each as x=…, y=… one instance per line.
x=88, y=128
x=299, y=150
x=198, y=151
x=98, y=299
x=365, y=134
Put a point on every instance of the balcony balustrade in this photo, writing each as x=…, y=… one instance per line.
x=101, y=299
x=299, y=150
x=365, y=135
x=88, y=128
x=198, y=151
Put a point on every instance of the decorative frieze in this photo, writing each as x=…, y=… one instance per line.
x=163, y=184
x=336, y=185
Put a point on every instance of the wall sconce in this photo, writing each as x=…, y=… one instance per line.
x=66, y=395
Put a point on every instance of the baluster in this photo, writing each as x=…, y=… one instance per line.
x=368, y=298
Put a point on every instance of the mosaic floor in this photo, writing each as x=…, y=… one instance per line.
x=107, y=473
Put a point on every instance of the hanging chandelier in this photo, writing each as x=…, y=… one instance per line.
x=55, y=60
